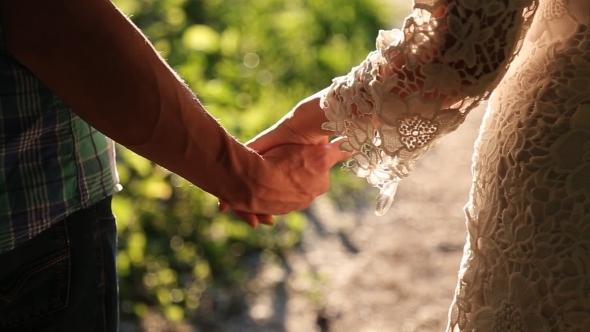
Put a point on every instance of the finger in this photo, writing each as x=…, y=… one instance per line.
x=250, y=218
x=266, y=219
x=333, y=152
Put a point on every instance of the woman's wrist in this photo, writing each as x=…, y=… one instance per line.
x=308, y=116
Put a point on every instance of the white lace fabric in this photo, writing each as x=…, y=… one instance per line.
x=420, y=84
x=526, y=262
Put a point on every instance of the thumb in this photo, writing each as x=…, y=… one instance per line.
x=334, y=154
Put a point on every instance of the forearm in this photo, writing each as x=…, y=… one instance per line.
x=101, y=65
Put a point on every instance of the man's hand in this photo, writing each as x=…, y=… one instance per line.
x=290, y=178
x=294, y=175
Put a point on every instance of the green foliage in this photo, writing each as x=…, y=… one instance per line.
x=249, y=61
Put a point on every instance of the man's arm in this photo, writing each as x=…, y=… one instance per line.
x=104, y=68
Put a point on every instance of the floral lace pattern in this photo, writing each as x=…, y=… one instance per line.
x=526, y=265
x=526, y=262
x=420, y=84
x=515, y=307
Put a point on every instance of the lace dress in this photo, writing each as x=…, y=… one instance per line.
x=526, y=262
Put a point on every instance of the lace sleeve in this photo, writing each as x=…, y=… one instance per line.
x=420, y=83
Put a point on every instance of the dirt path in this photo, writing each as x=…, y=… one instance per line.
x=361, y=273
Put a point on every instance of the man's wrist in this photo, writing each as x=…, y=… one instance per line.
x=242, y=169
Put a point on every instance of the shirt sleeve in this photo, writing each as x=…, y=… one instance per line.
x=420, y=83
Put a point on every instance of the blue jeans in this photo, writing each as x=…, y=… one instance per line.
x=65, y=278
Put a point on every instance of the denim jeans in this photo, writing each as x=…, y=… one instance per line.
x=65, y=278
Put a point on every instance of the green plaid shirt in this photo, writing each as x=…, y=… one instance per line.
x=51, y=162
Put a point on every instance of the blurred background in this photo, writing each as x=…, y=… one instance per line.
x=333, y=267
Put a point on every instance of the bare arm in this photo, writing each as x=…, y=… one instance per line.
x=103, y=67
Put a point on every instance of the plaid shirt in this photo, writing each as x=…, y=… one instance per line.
x=51, y=162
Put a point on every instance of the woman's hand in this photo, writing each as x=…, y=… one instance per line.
x=302, y=125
